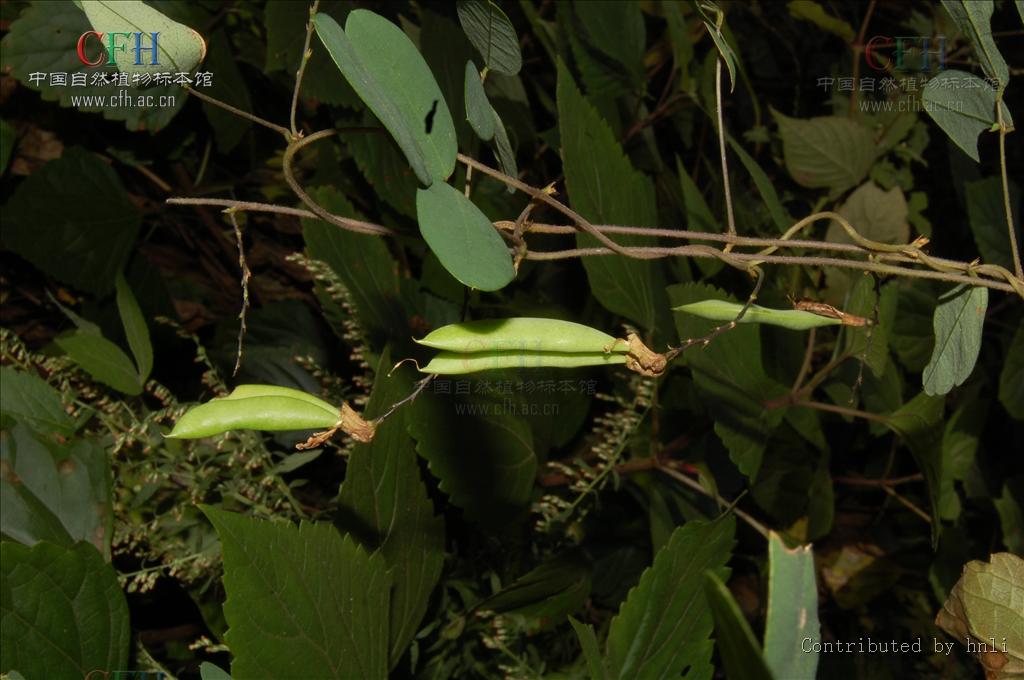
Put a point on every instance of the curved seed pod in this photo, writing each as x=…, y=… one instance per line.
x=722, y=310
x=455, y=363
x=271, y=413
x=248, y=391
x=525, y=335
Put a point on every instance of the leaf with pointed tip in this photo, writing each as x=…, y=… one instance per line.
x=384, y=502
x=974, y=19
x=591, y=651
x=302, y=602
x=29, y=398
x=737, y=646
x=103, y=360
x=478, y=108
x=492, y=34
x=827, y=151
x=664, y=625
x=958, y=322
x=135, y=328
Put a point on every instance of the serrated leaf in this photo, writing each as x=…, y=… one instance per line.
x=731, y=378
x=664, y=625
x=62, y=612
x=302, y=601
x=28, y=398
x=986, y=605
x=44, y=40
x=393, y=80
x=492, y=34
x=826, y=152
x=135, y=328
x=478, y=108
x=463, y=239
x=73, y=195
x=987, y=217
x=958, y=322
x=594, y=162
x=737, y=646
x=792, y=610
x=1011, y=378
x=964, y=106
x=974, y=19
x=385, y=168
x=384, y=502
x=55, y=492
x=486, y=465
x=179, y=48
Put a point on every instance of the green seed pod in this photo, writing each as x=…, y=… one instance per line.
x=523, y=335
x=270, y=413
x=248, y=391
x=722, y=310
x=455, y=363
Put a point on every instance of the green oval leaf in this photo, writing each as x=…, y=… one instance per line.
x=391, y=77
x=525, y=334
x=456, y=363
x=178, y=47
x=478, y=109
x=268, y=413
x=964, y=106
x=958, y=321
x=492, y=34
x=723, y=310
x=827, y=151
x=462, y=237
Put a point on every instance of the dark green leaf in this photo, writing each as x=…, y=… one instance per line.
x=135, y=328
x=958, y=322
x=1011, y=379
x=73, y=195
x=871, y=343
x=44, y=39
x=594, y=163
x=478, y=108
x=462, y=237
x=492, y=35
x=302, y=601
x=698, y=217
x=912, y=338
x=964, y=106
x=737, y=646
x=30, y=399
x=1010, y=506
x=664, y=625
x=731, y=378
x=714, y=19
x=385, y=168
x=503, y=148
x=446, y=49
x=55, y=492
x=792, y=611
x=918, y=423
x=485, y=464
x=591, y=651
x=62, y=612
x=384, y=502
x=229, y=87
x=826, y=152
x=286, y=30
x=987, y=217
x=389, y=74
x=382, y=299
x=764, y=185
x=103, y=360
x=546, y=594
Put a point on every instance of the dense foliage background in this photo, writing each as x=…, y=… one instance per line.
x=495, y=506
